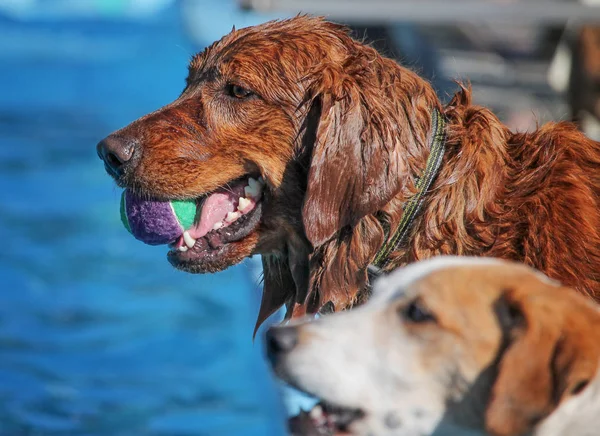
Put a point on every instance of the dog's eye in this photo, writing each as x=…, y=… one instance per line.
x=238, y=91
x=417, y=312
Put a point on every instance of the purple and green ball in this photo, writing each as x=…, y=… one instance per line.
x=156, y=222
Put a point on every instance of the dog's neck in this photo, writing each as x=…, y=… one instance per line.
x=413, y=206
x=456, y=214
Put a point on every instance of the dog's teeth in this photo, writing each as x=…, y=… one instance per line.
x=217, y=226
x=232, y=216
x=187, y=238
x=254, y=184
x=183, y=248
x=250, y=192
x=243, y=203
x=253, y=189
x=261, y=180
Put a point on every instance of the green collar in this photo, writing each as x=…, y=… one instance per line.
x=415, y=204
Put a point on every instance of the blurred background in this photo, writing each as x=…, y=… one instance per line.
x=98, y=334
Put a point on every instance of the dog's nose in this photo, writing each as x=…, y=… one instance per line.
x=116, y=151
x=280, y=340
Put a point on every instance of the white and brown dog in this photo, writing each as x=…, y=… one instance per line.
x=452, y=346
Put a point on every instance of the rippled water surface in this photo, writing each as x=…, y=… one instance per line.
x=98, y=334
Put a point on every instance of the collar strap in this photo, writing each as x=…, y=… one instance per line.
x=414, y=205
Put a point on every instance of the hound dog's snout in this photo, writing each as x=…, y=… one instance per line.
x=116, y=152
x=280, y=340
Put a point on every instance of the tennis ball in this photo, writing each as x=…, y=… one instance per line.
x=156, y=222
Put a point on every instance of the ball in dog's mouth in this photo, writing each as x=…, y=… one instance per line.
x=225, y=216
x=199, y=231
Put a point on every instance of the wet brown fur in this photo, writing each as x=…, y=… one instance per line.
x=339, y=133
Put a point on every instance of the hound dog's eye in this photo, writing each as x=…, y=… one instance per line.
x=417, y=312
x=238, y=91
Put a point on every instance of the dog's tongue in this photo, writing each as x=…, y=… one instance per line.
x=222, y=208
x=214, y=211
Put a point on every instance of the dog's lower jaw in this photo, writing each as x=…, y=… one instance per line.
x=224, y=257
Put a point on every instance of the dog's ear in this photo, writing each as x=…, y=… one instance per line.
x=548, y=356
x=355, y=168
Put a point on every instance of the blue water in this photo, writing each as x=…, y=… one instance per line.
x=98, y=334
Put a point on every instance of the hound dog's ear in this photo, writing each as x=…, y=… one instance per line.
x=549, y=354
x=354, y=167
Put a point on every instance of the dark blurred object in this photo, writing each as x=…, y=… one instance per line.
x=575, y=73
x=584, y=84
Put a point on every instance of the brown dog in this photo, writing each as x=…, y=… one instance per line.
x=348, y=143
x=451, y=346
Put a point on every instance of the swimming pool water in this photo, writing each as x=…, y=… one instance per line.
x=98, y=334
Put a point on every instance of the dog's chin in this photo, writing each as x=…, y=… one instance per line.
x=222, y=248
x=212, y=260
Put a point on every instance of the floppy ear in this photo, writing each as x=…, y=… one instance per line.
x=354, y=169
x=548, y=357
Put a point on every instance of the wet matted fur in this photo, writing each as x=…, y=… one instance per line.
x=340, y=133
